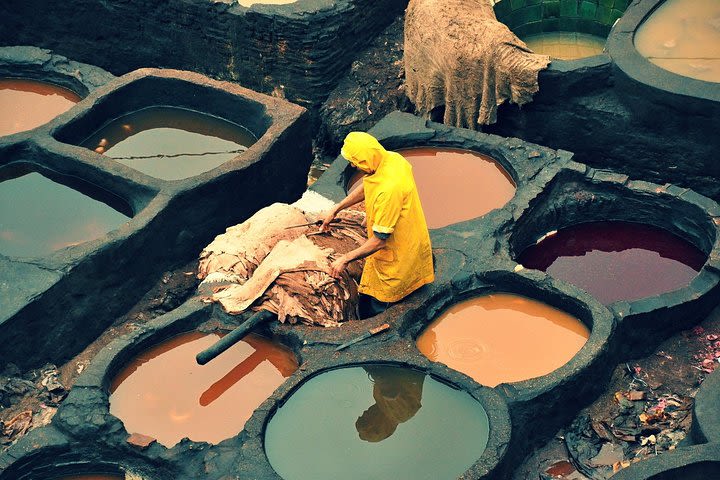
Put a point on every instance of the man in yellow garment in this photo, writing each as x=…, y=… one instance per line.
x=398, y=251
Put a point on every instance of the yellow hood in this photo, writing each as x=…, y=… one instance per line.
x=363, y=151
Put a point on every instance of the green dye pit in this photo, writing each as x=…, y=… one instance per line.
x=170, y=143
x=376, y=422
x=565, y=45
x=39, y=215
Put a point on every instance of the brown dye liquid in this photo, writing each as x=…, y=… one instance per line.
x=503, y=338
x=93, y=476
x=454, y=185
x=165, y=394
x=683, y=37
x=565, y=45
x=170, y=143
x=26, y=104
x=355, y=181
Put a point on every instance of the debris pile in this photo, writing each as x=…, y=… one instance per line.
x=17, y=415
x=645, y=423
x=269, y=263
x=708, y=358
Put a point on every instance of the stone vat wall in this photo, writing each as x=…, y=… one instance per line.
x=618, y=111
x=530, y=17
x=55, y=304
x=297, y=51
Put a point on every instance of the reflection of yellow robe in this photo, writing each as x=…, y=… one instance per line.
x=398, y=396
x=393, y=206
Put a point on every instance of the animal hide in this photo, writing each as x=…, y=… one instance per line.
x=289, y=267
x=458, y=55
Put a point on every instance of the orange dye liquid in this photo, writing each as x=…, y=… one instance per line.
x=454, y=185
x=26, y=104
x=165, y=394
x=503, y=338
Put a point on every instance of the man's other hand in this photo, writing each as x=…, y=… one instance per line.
x=338, y=266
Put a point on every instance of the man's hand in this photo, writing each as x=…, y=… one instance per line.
x=329, y=217
x=357, y=195
x=338, y=266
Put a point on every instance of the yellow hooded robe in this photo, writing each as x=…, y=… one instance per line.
x=393, y=206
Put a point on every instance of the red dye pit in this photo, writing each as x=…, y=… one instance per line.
x=616, y=261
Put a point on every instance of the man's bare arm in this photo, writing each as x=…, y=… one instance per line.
x=356, y=196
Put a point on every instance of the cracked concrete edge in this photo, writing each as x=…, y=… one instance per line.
x=35, y=63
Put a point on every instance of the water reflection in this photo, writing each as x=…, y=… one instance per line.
x=164, y=393
x=415, y=428
x=397, y=395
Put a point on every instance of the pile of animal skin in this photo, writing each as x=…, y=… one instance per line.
x=261, y=264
